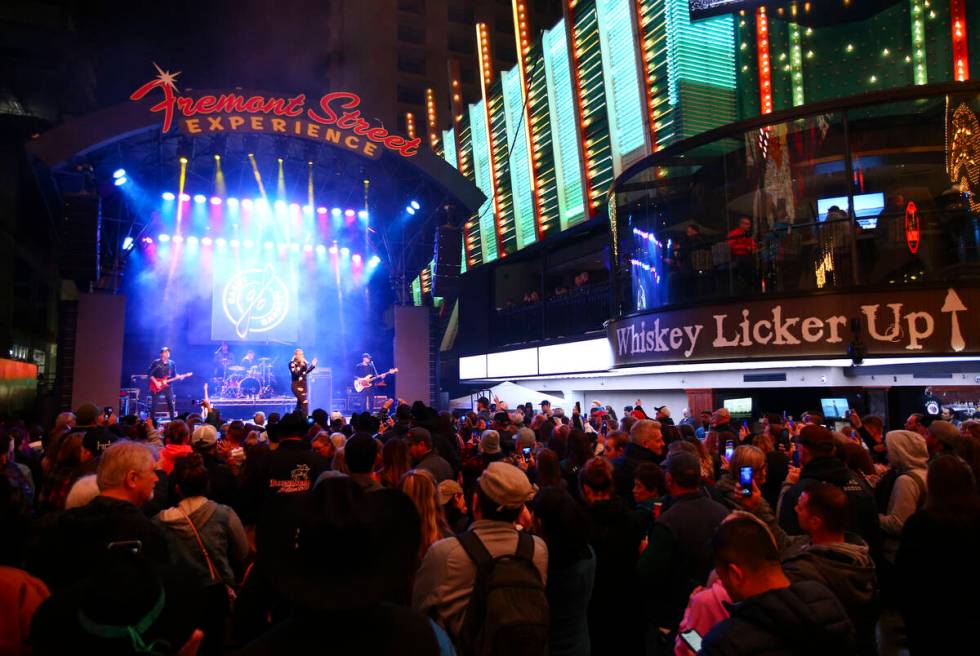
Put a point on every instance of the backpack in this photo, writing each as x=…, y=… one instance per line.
x=508, y=610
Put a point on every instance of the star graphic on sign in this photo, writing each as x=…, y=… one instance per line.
x=167, y=77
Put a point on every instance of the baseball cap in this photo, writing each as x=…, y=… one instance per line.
x=204, y=435
x=447, y=490
x=945, y=432
x=546, y=402
x=98, y=440
x=86, y=414
x=490, y=441
x=506, y=485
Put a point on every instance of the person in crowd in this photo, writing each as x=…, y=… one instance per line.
x=421, y=487
x=646, y=445
x=917, y=423
x=564, y=526
x=548, y=470
x=649, y=488
x=447, y=575
x=579, y=452
x=871, y=429
x=488, y=451
x=908, y=457
x=323, y=445
x=224, y=486
x=361, y=454
x=777, y=467
x=454, y=507
x=615, y=619
x=208, y=544
x=838, y=560
x=126, y=476
x=701, y=430
x=677, y=558
x=663, y=415
x=820, y=464
x=721, y=421
x=771, y=614
x=942, y=437
x=425, y=457
x=177, y=440
x=395, y=461
x=729, y=490
x=615, y=444
x=938, y=550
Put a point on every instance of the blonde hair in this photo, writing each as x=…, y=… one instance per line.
x=764, y=442
x=421, y=488
x=747, y=456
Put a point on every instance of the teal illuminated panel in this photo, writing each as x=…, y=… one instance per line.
x=520, y=161
x=624, y=96
x=449, y=147
x=484, y=180
x=416, y=291
x=501, y=171
x=568, y=165
x=549, y=218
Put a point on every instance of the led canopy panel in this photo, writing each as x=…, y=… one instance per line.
x=482, y=173
x=449, y=147
x=568, y=164
x=520, y=162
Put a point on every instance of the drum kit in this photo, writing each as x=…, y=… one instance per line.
x=253, y=382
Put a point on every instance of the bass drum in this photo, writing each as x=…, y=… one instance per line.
x=249, y=386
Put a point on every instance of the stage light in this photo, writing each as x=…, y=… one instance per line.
x=215, y=200
x=294, y=247
x=119, y=173
x=163, y=239
x=247, y=203
x=294, y=207
x=232, y=202
x=269, y=244
x=280, y=205
x=321, y=249
x=333, y=249
x=183, y=160
x=168, y=195
x=321, y=210
x=199, y=198
x=307, y=209
x=415, y=205
x=120, y=181
x=205, y=241
x=410, y=210
x=247, y=243
x=363, y=214
x=374, y=261
x=349, y=213
x=127, y=243
x=234, y=243
x=185, y=197
x=308, y=248
x=356, y=258
x=345, y=252
x=219, y=242
x=192, y=241
x=147, y=240
x=178, y=239
x=335, y=211
x=262, y=203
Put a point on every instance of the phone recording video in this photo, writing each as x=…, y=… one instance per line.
x=745, y=480
x=729, y=449
x=527, y=453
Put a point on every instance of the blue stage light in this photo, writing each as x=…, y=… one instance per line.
x=127, y=243
x=220, y=242
x=345, y=252
x=121, y=181
x=410, y=210
x=308, y=248
x=168, y=195
x=119, y=173
x=262, y=203
x=321, y=210
x=294, y=207
x=362, y=214
x=374, y=261
x=280, y=205
x=335, y=211
x=205, y=241
x=147, y=240
x=177, y=239
x=185, y=197
x=349, y=213
x=215, y=200
x=192, y=241
x=356, y=258
x=199, y=198
x=234, y=243
x=307, y=209
x=163, y=239
x=247, y=203
x=333, y=249
x=232, y=202
x=415, y=205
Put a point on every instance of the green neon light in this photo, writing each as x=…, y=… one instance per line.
x=624, y=99
x=449, y=147
x=482, y=173
x=520, y=159
x=796, y=63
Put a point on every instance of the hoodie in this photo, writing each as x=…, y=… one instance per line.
x=909, y=457
x=804, y=618
x=847, y=570
x=220, y=530
x=170, y=453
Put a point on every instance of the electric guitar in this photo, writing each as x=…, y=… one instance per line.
x=361, y=384
x=160, y=384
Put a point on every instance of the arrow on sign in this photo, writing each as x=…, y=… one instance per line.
x=953, y=304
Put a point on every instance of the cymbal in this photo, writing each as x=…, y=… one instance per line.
x=265, y=359
x=236, y=368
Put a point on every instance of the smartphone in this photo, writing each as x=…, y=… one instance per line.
x=527, y=453
x=745, y=480
x=729, y=449
x=131, y=546
x=142, y=415
x=107, y=410
x=692, y=639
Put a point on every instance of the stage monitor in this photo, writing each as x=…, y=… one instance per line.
x=834, y=408
x=738, y=407
x=867, y=207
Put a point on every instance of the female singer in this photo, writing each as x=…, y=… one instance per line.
x=298, y=368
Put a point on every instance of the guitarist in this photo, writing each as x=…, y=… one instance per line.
x=365, y=368
x=163, y=368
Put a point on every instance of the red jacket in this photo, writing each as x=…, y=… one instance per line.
x=740, y=243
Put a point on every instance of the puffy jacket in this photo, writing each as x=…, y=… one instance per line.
x=804, y=618
x=847, y=570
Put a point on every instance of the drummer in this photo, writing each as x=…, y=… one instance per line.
x=223, y=357
x=249, y=360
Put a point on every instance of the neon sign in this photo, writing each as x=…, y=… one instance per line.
x=335, y=119
x=912, y=232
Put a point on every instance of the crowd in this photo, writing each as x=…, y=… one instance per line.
x=501, y=531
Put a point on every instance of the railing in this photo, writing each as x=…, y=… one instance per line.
x=580, y=310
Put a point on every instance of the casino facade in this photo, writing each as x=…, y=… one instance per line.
x=769, y=204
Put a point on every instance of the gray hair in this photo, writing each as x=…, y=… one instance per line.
x=120, y=459
x=259, y=418
x=642, y=431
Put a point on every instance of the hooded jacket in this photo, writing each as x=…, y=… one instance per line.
x=909, y=457
x=220, y=530
x=804, y=618
x=170, y=453
x=847, y=570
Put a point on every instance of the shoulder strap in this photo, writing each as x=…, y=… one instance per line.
x=474, y=548
x=525, y=546
x=200, y=543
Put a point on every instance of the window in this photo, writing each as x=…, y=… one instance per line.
x=505, y=24
x=412, y=6
x=467, y=74
x=411, y=34
x=462, y=44
x=460, y=14
x=408, y=63
x=410, y=95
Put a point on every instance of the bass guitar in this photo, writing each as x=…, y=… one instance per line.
x=361, y=384
x=160, y=384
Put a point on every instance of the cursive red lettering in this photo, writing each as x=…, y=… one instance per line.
x=410, y=147
x=230, y=102
x=349, y=120
x=295, y=106
x=377, y=134
x=329, y=117
x=166, y=105
x=205, y=105
x=254, y=104
x=394, y=141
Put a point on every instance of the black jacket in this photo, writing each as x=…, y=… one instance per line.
x=804, y=618
x=625, y=466
x=830, y=469
x=291, y=468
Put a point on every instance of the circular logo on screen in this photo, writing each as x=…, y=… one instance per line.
x=255, y=301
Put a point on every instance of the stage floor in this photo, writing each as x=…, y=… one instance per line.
x=246, y=408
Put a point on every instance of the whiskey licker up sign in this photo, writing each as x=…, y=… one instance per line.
x=334, y=119
x=912, y=323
